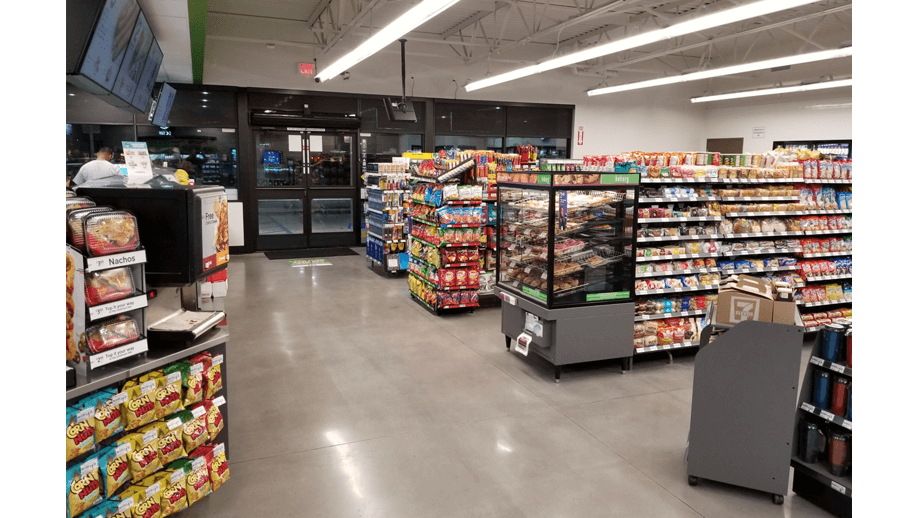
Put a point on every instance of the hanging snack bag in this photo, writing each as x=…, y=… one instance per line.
x=174, y=497
x=194, y=427
x=107, y=509
x=84, y=487
x=168, y=396
x=139, y=408
x=80, y=430
x=143, y=459
x=198, y=480
x=108, y=415
x=170, y=445
x=114, y=467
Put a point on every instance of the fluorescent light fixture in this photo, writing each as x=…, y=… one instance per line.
x=737, y=69
x=414, y=17
x=708, y=21
x=775, y=91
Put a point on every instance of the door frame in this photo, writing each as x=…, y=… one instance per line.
x=308, y=192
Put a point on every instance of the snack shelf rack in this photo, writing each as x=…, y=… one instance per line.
x=766, y=269
x=416, y=201
x=784, y=233
x=670, y=257
x=828, y=254
x=682, y=289
x=382, y=211
x=726, y=180
x=758, y=199
x=829, y=277
x=687, y=199
x=787, y=213
x=679, y=219
x=675, y=314
x=824, y=302
x=669, y=273
x=762, y=251
x=677, y=238
x=667, y=347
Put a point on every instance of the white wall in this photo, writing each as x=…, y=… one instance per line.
x=807, y=117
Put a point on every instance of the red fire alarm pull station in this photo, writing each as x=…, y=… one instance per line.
x=306, y=69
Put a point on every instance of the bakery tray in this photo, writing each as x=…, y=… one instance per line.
x=183, y=325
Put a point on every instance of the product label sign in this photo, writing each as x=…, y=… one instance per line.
x=215, y=231
x=619, y=178
x=522, y=344
x=847, y=424
x=611, y=295
x=88, y=467
x=197, y=463
x=838, y=487
x=198, y=368
x=123, y=449
x=836, y=367
x=113, y=355
x=534, y=293
x=219, y=401
x=808, y=408
x=111, y=261
x=119, y=306
x=198, y=412
x=826, y=415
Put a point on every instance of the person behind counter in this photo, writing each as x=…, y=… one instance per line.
x=101, y=167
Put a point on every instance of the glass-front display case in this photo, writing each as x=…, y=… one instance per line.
x=567, y=239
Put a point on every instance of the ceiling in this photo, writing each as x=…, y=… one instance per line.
x=490, y=37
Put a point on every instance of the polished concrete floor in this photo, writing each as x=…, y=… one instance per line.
x=347, y=399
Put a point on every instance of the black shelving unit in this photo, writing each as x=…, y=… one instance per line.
x=814, y=481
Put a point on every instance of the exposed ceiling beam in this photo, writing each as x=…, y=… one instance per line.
x=755, y=30
x=604, y=9
x=469, y=21
x=317, y=11
x=351, y=24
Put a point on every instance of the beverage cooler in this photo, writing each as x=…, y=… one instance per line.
x=566, y=265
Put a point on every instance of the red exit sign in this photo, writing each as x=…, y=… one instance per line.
x=306, y=69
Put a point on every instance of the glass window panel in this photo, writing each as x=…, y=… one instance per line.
x=382, y=147
x=84, y=140
x=546, y=147
x=280, y=217
x=216, y=109
x=331, y=167
x=209, y=155
x=469, y=119
x=374, y=118
x=483, y=143
x=328, y=215
x=534, y=121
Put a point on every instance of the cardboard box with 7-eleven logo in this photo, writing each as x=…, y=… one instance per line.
x=744, y=297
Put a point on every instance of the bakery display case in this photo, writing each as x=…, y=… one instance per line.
x=566, y=266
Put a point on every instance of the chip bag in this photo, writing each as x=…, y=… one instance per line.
x=107, y=509
x=146, y=499
x=84, y=487
x=143, y=459
x=212, y=378
x=114, y=467
x=170, y=446
x=194, y=427
x=108, y=413
x=139, y=409
x=198, y=480
x=168, y=397
x=80, y=430
x=216, y=460
x=213, y=418
x=175, y=496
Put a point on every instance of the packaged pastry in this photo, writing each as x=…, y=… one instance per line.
x=112, y=333
x=108, y=285
x=110, y=233
x=78, y=202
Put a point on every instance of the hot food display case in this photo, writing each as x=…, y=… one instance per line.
x=566, y=266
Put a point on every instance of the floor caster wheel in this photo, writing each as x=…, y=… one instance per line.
x=557, y=380
x=693, y=480
x=778, y=499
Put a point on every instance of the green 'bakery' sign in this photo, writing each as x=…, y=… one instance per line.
x=534, y=293
x=619, y=178
x=545, y=179
x=610, y=295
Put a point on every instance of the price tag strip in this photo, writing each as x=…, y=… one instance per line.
x=218, y=401
x=117, y=307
